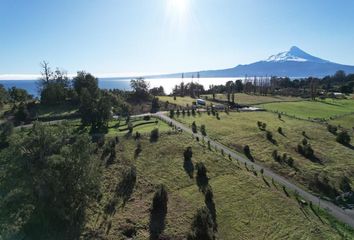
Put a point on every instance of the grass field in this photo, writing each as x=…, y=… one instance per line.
x=140, y=125
x=246, y=206
x=180, y=101
x=239, y=129
x=57, y=110
x=249, y=99
x=324, y=109
x=346, y=121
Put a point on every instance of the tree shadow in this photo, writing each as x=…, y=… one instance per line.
x=189, y=168
x=265, y=181
x=157, y=223
x=210, y=204
x=126, y=187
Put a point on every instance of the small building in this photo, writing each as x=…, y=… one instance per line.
x=201, y=102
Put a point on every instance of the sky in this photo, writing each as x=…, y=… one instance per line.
x=127, y=37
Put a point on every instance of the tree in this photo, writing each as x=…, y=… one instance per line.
x=140, y=89
x=53, y=86
x=18, y=95
x=86, y=81
x=239, y=85
x=155, y=105
x=202, y=226
x=57, y=177
x=4, y=96
x=157, y=91
x=343, y=138
x=6, y=130
x=194, y=127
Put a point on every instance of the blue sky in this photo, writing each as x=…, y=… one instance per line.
x=152, y=36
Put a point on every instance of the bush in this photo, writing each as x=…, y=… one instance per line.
x=188, y=154
x=147, y=118
x=172, y=113
x=202, y=226
x=343, y=138
x=247, y=152
x=305, y=149
x=194, y=127
x=270, y=138
x=332, y=129
x=203, y=130
x=280, y=131
x=154, y=135
x=202, y=178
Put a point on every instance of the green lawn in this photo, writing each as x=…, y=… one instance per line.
x=119, y=127
x=180, y=101
x=247, y=208
x=239, y=129
x=324, y=109
x=249, y=99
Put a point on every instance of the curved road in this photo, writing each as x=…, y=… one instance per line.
x=345, y=216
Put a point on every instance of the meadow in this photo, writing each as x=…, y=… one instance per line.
x=321, y=109
x=235, y=130
x=247, y=206
x=180, y=101
x=251, y=99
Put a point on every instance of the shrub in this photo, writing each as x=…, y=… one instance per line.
x=217, y=116
x=270, y=138
x=203, y=130
x=280, y=131
x=332, y=129
x=154, y=135
x=247, y=152
x=147, y=118
x=202, y=226
x=172, y=113
x=187, y=154
x=305, y=149
x=343, y=138
x=202, y=178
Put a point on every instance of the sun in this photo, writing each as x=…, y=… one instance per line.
x=178, y=11
x=178, y=6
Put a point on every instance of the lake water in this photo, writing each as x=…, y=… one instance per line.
x=123, y=84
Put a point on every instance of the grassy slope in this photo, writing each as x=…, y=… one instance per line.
x=250, y=99
x=239, y=129
x=313, y=109
x=57, y=110
x=345, y=122
x=246, y=206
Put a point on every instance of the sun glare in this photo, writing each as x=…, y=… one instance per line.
x=178, y=12
x=179, y=6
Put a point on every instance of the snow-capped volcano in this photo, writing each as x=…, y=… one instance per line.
x=292, y=63
x=295, y=54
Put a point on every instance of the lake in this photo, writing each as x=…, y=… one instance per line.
x=123, y=84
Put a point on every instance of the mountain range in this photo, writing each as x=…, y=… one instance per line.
x=293, y=63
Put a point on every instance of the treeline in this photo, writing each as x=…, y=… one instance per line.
x=305, y=87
